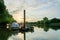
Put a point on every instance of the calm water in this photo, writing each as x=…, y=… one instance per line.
x=38, y=34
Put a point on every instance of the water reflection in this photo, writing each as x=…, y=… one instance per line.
x=9, y=35
x=39, y=33
x=13, y=35
x=16, y=37
x=4, y=34
x=47, y=27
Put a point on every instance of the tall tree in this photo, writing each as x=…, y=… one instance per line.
x=5, y=17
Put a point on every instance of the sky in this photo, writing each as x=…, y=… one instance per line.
x=35, y=9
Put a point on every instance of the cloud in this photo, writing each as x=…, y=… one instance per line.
x=13, y=4
x=30, y=3
x=37, y=8
x=50, y=9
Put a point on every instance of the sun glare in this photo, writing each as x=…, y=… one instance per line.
x=18, y=17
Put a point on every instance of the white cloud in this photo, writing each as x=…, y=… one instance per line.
x=37, y=8
x=13, y=4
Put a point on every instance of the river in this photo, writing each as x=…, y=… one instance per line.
x=38, y=34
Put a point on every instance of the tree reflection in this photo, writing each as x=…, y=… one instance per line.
x=4, y=34
x=47, y=27
x=46, y=24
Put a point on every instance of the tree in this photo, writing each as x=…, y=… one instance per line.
x=5, y=17
x=45, y=18
x=46, y=21
x=55, y=20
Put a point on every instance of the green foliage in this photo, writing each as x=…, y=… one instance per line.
x=42, y=22
x=53, y=23
x=5, y=17
x=2, y=7
x=45, y=18
x=55, y=20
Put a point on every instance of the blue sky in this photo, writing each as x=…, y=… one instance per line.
x=35, y=9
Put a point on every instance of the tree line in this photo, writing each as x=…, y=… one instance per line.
x=46, y=23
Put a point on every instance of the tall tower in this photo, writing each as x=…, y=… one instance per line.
x=24, y=25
